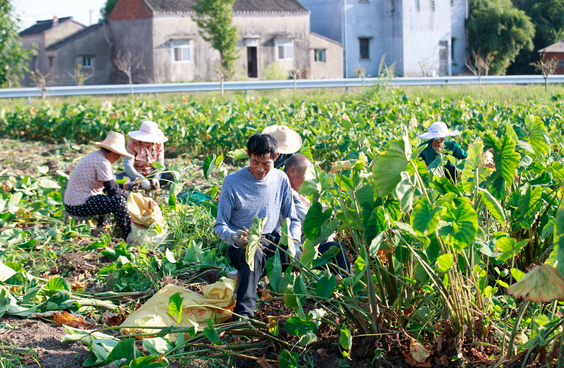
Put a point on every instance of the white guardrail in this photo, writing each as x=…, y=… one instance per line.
x=117, y=89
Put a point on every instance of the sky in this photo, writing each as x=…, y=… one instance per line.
x=83, y=11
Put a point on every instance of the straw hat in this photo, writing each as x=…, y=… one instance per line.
x=439, y=130
x=115, y=142
x=288, y=140
x=149, y=132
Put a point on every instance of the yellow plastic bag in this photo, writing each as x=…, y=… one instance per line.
x=144, y=211
x=217, y=303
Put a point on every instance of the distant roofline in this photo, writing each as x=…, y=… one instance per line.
x=75, y=36
x=326, y=38
x=43, y=22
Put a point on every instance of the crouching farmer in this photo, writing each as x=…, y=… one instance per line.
x=254, y=191
x=92, y=177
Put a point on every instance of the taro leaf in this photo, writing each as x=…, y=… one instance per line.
x=47, y=184
x=538, y=135
x=288, y=360
x=325, y=286
x=509, y=248
x=211, y=333
x=405, y=191
x=100, y=349
x=511, y=132
x=493, y=206
x=255, y=234
x=377, y=223
x=506, y=159
x=463, y=224
x=238, y=154
x=346, y=338
x=376, y=244
x=308, y=339
x=445, y=262
x=425, y=217
x=148, y=362
x=193, y=252
x=14, y=202
x=389, y=165
x=300, y=289
x=5, y=272
x=326, y=231
x=286, y=238
x=175, y=306
x=209, y=165
x=557, y=256
x=529, y=204
x=170, y=256
x=56, y=284
x=517, y=274
x=314, y=219
x=309, y=253
x=541, y=285
x=296, y=326
x=471, y=165
x=274, y=270
x=157, y=345
x=125, y=349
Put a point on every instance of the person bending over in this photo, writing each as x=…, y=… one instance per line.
x=254, y=191
x=437, y=143
x=92, y=177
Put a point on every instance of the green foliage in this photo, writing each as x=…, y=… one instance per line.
x=255, y=235
x=175, y=304
x=274, y=71
x=215, y=18
x=13, y=56
x=107, y=9
x=496, y=25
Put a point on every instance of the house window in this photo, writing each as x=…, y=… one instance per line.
x=433, y=5
x=560, y=63
x=320, y=55
x=34, y=64
x=364, y=48
x=418, y=5
x=86, y=62
x=452, y=48
x=51, y=62
x=285, y=49
x=181, y=51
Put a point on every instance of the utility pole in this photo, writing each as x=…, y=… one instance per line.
x=90, y=11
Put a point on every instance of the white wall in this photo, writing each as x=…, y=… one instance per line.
x=458, y=17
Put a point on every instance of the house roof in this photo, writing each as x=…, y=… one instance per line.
x=557, y=47
x=326, y=38
x=41, y=26
x=74, y=36
x=240, y=6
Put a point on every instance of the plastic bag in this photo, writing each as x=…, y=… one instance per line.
x=217, y=303
x=144, y=211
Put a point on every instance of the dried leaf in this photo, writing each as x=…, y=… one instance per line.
x=112, y=319
x=78, y=285
x=72, y=320
x=418, y=352
x=266, y=296
x=541, y=285
x=263, y=363
x=322, y=353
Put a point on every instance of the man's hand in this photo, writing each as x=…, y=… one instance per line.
x=146, y=184
x=155, y=183
x=240, y=238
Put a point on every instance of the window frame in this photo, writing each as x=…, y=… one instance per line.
x=316, y=58
x=432, y=5
x=367, y=40
x=418, y=5
x=278, y=43
x=87, y=65
x=181, y=45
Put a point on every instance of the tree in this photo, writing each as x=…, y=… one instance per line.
x=496, y=25
x=13, y=55
x=78, y=76
x=546, y=68
x=127, y=64
x=548, y=18
x=107, y=9
x=480, y=65
x=215, y=18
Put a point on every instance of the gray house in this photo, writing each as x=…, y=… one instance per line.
x=423, y=37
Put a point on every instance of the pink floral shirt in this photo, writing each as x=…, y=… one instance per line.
x=145, y=154
x=87, y=179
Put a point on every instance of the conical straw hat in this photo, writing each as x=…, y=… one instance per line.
x=288, y=140
x=115, y=142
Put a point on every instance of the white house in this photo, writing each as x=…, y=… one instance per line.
x=423, y=37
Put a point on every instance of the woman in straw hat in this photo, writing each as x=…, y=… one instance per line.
x=289, y=142
x=146, y=147
x=92, y=177
x=437, y=143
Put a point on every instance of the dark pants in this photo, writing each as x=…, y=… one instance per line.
x=248, y=280
x=102, y=205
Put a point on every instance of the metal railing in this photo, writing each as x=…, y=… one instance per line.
x=118, y=89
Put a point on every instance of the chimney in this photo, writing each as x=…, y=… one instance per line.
x=55, y=20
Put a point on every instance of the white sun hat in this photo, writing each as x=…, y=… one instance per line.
x=149, y=132
x=288, y=140
x=114, y=142
x=439, y=130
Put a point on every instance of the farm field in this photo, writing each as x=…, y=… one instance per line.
x=433, y=260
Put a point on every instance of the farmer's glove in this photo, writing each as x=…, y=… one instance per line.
x=155, y=183
x=146, y=184
x=240, y=238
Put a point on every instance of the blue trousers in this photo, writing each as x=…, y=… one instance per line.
x=248, y=280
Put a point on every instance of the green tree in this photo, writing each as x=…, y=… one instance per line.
x=215, y=18
x=496, y=25
x=13, y=55
x=107, y=9
x=548, y=18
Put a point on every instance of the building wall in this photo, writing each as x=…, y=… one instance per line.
x=332, y=68
x=459, y=14
x=393, y=43
x=422, y=32
x=326, y=18
x=93, y=45
x=555, y=55
x=132, y=38
x=264, y=28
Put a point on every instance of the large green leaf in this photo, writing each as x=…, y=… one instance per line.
x=314, y=220
x=463, y=224
x=274, y=270
x=425, y=217
x=5, y=272
x=125, y=349
x=296, y=326
x=57, y=283
x=506, y=159
x=211, y=333
x=557, y=256
x=377, y=223
x=405, y=192
x=389, y=165
x=471, y=165
x=288, y=359
x=325, y=286
x=175, y=306
x=509, y=248
x=493, y=206
x=529, y=204
x=157, y=345
x=148, y=362
x=538, y=135
x=255, y=235
x=209, y=165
